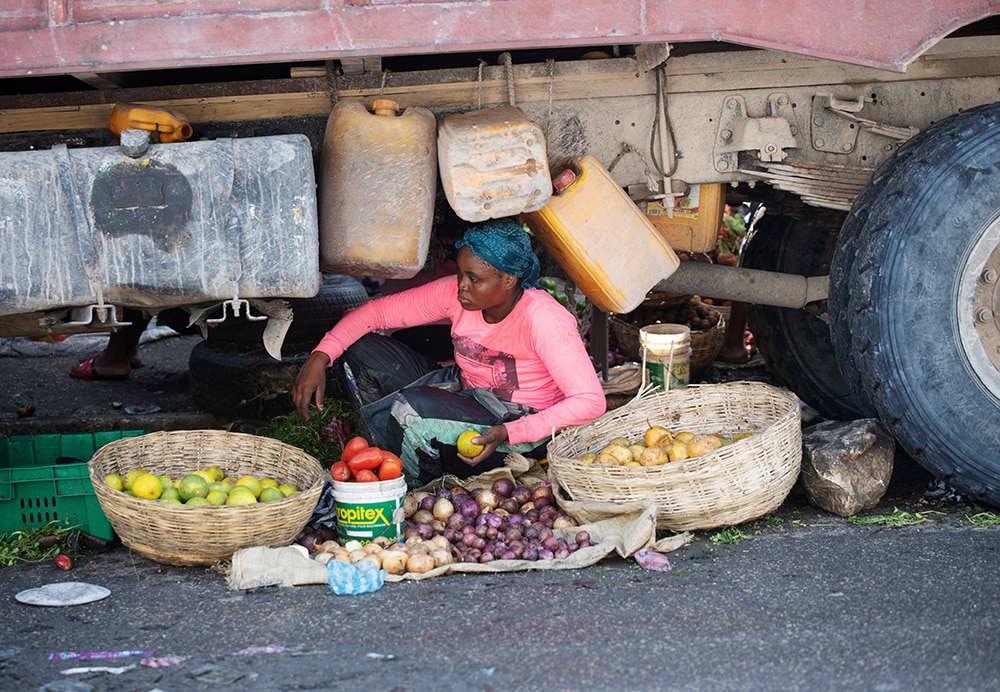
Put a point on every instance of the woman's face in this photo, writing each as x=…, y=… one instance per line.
x=480, y=285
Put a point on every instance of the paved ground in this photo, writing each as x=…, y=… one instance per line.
x=806, y=601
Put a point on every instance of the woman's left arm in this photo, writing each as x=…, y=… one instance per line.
x=559, y=346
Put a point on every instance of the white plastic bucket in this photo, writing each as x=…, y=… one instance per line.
x=666, y=355
x=366, y=511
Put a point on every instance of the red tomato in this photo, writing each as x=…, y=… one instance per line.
x=365, y=460
x=340, y=471
x=365, y=476
x=353, y=446
x=390, y=469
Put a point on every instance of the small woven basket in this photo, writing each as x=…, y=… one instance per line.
x=705, y=344
x=176, y=534
x=734, y=484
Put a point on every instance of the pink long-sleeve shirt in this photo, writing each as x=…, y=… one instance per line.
x=533, y=357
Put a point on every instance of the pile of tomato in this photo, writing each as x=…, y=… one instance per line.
x=362, y=463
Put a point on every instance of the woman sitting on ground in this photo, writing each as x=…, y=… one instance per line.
x=521, y=370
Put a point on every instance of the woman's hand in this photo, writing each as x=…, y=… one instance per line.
x=310, y=384
x=490, y=440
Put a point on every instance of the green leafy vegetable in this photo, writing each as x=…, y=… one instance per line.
x=320, y=435
x=896, y=519
x=36, y=544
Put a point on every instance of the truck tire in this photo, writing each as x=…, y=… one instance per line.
x=914, y=299
x=312, y=317
x=796, y=343
x=247, y=385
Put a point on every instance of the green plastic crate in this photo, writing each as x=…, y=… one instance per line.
x=44, y=479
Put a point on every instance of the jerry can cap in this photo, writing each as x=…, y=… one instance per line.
x=385, y=106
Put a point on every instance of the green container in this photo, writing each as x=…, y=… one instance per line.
x=44, y=479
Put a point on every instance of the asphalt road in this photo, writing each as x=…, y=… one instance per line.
x=806, y=601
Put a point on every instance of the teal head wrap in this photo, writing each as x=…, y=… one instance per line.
x=505, y=246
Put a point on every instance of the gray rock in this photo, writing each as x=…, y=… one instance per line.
x=846, y=467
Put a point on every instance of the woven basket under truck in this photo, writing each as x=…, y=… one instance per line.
x=705, y=343
x=176, y=534
x=736, y=483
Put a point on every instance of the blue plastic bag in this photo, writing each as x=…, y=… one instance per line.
x=359, y=577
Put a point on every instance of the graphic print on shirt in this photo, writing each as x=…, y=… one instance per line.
x=502, y=366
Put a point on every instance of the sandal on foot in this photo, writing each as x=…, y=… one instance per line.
x=85, y=371
x=136, y=363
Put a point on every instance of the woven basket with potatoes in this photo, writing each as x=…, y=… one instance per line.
x=743, y=479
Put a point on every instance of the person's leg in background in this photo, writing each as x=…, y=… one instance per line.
x=734, y=348
x=120, y=355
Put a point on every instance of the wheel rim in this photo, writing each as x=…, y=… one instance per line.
x=979, y=308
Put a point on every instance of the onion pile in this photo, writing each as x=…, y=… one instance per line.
x=503, y=522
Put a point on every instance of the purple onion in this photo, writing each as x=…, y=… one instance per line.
x=508, y=555
x=486, y=557
x=515, y=519
x=492, y=532
x=545, y=554
x=478, y=543
x=517, y=547
x=582, y=536
x=551, y=542
x=530, y=552
x=470, y=510
x=521, y=494
x=573, y=547
x=503, y=487
x=494, y=520
x=561, y=554
x=510, y=505
x=427, y=503
x=455, y=521
x=468, y=539
x=425, y=531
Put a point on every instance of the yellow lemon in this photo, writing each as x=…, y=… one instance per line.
x=196, y=502
x=465, y=445
x=217, y=473
x=251, y=483
x=131, y=475
x=114, y=481
x=147, y=486
x=209, y=478
x=192, y=486
x=216, y=497
x=268, y=483
x=271, y=494
x=241, y=495
x=288, y=489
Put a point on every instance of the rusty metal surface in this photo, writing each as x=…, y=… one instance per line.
x=40, y=37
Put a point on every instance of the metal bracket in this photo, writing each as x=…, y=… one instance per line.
x=102, y=316
x=768, y=136
x=835, y=125
x=237, y=305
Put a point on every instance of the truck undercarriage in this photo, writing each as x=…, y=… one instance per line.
x=871, y=141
